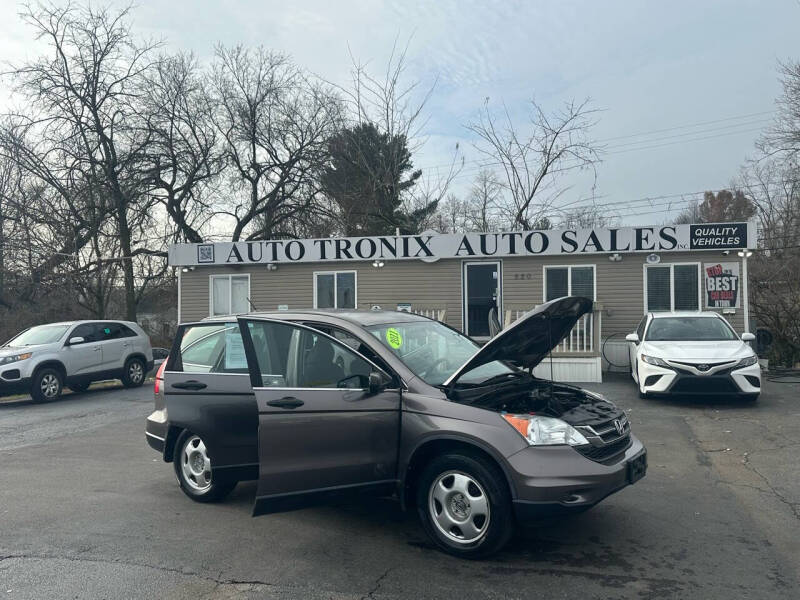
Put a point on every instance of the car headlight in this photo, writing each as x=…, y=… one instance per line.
x=545, y=431
x=17, y=357
x=747, y=361
x=653, y=360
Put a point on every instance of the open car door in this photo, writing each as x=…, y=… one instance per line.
x=324, y=424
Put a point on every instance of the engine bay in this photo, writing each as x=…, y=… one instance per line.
x=541, y=397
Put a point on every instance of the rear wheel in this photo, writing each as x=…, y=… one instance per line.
x=47, y=384
x=193, y=469
x=464, y=504
x=133, y=372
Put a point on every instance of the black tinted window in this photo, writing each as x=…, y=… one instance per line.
x=88, y=331
x=126, y=331
x=110, y=331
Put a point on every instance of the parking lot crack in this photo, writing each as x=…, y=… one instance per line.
x=793, y=506
x=376, y=586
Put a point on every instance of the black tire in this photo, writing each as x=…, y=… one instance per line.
x=751, y=398
x=79, y=388
x=209, y=491
x=496, y=528
x=134, y=373
x=47, y=384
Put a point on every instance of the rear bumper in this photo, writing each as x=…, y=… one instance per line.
x=559, y=480
x=155, y=430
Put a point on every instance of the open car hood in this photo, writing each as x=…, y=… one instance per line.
x=531, y=337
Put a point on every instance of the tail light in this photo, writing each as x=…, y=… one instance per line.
x=159, y=377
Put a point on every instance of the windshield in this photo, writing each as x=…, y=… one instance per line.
x=433, y=351
x=687, y=329
x=42, y=334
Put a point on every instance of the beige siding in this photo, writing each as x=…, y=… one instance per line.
x=620, y=285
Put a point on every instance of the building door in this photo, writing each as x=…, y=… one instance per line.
x=482, y=293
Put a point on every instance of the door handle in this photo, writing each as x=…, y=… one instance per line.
x=96, y=348
x=192, y=384
x=287, y=402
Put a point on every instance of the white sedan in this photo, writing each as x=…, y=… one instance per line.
x=693, y=353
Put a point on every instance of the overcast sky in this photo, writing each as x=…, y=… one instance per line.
x=684, y=86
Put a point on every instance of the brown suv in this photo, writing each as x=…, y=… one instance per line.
x=312, y=403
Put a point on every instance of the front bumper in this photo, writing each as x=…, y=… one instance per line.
x=15, y=386
x=661, y=381
x=552, y=480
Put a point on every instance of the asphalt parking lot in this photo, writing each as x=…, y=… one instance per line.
x=88, y=510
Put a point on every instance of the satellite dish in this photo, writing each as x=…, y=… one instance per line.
x=653, y=259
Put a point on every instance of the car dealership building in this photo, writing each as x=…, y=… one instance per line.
x=477, y=281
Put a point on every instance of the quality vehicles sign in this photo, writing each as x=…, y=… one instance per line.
x=432, y=246
x=722, y=285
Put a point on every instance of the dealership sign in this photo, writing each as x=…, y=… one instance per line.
x=722, y=285
x=432, y=246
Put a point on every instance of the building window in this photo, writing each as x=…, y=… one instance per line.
x=568, y=281
x=230, y=294
x=672, y=287
x=335, y=289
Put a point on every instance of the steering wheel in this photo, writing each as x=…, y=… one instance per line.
x=434, y=366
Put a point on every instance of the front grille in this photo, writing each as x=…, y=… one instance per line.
x=704, y=385
x=674, y=364
x=608, y=452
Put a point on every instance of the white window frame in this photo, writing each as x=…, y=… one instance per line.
x=227, y=276
x=335, y=286
x=569, y=278
x=672, y=284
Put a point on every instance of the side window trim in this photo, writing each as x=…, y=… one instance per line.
x=250, y=352
x=175, y=359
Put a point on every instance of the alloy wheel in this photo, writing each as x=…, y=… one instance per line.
x=49, y=385
x=135, y=371
x=459, y=507
x=195, y=464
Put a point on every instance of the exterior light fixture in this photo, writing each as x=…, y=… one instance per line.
x=378, y=264
x=187, y=269
x=272, y=267
x=616, y=257
x=745, y=253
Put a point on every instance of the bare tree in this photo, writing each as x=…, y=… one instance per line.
x=784, y=134
x=83, y=103
x=183, y=157
x=274, y=122
x=773, y=185
x=535, y=159
x=585, y=217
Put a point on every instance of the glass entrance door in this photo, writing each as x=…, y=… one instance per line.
x=481, y=294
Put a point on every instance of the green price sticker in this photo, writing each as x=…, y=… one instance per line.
x=394, y=338
x=107, y=330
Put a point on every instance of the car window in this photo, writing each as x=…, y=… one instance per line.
x=41, y=334
x=88, y=331
x=109, y=331
x=689, y=329
x=350, y=340
x=126, y=331
x=640, y=328
x=216, y=348
x=434, y=352
x=290, y=356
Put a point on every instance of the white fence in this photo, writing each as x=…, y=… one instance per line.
x=581, y=339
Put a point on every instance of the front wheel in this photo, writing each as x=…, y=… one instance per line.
x=193, y=469
x=465, y=506
x=133, y=372
x=47, y=385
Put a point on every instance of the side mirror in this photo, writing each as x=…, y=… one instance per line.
x=377, y=382
x=748, y=337
x=632, y=337
x=76, y=340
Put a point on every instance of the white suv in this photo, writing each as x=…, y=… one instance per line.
x=42, y=359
